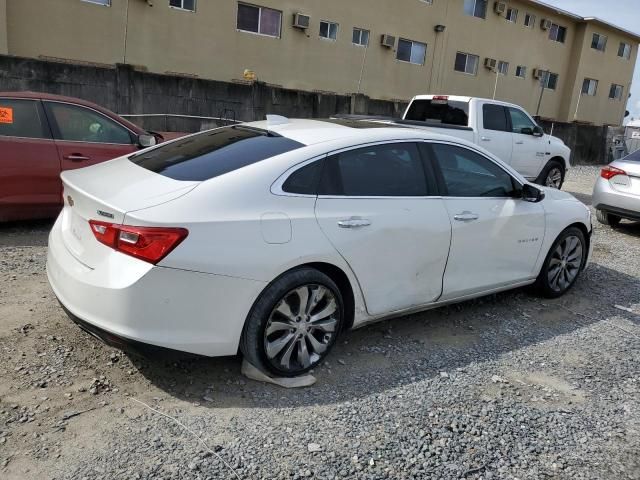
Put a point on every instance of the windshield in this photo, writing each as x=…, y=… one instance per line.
x=440, y=111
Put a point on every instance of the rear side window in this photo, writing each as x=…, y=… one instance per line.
x=22, y=118
x=441, y=111
x=495, y=118
x=391, y=170
x=213, y=153
x=304, y=180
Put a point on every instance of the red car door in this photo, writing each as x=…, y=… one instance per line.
x=85, y=136
x=29, y=164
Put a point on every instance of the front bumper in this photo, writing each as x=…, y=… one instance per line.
x=176, y=309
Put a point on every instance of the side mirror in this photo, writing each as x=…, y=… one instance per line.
x=531, y=193
x=538, y=131
x=526, y=131
x=146, y=140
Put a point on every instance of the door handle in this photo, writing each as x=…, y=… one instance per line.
x=520, y=143
x=354, y=222
x=485, y=139
x=466, y=216
x=76, y=157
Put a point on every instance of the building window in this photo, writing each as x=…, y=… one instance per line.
x=615, y=93
x=476, y=8
x=466, y=63
x=412, y=52
x=360, y=37
x=104, y=3
x=624, y=50
x=328, y=30
x=512, y=15
x=551, y=81
x=557, y=33
x=589, y=87
x=599, y=42
x=503, y=68
x=264, y=21
x=521, y=71
x=529, y=20
x=428, y=2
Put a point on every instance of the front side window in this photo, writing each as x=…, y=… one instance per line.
x=466, y=63
x=213, y=153
x=390, y=170
x=551, y=81
x=512, y=15
x=529, y=20
x=476, y=8
x=265, y=21
x=360, y=37
x=624, y=50
x=557, y=33
x=503, y=67
x=520, y=121
x=615, y=92
x=328, y=30
x=468, y=174
x=22, y=118
x=80, y=124
x=494, y=117
x=412, y=52
x=599, y=42
x=589, y=87
x=521, y=71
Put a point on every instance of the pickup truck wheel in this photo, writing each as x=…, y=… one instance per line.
x=552, y=175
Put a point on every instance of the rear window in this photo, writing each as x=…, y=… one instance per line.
x=633, y=157
x=214, y=153
x=440, y=111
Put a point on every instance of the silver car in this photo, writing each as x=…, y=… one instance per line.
x=616, y=194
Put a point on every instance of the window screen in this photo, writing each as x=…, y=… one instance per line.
x=22, y=118
x=391, y=170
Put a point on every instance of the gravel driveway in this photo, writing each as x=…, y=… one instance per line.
x=506, y=387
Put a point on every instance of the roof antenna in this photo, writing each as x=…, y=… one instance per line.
x=273, y=120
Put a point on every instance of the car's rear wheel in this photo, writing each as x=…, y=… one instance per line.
x=552, y=175
x=294, y=323
x=563, y=264
x=607, y=218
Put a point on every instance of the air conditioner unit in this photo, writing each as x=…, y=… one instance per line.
x=545, y=24
x=388, y=41
x=538, y=73
x=490, y=63
x=301, y=21
x=499, y=7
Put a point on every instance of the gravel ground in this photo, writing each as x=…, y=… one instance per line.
x=505, y=387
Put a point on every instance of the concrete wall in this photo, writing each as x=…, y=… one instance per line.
x=589, y=144
x=207, y=44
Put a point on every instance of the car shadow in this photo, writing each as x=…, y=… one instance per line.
x=33, y=233
x=376, y=358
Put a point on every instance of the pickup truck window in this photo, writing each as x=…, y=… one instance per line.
x=494, y=117
x=520, y=120
x=439, y=111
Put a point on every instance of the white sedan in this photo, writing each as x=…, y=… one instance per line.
x=273, y=237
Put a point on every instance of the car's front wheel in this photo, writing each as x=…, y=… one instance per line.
x=607, y=219
x=563, y=264
x=294, y=323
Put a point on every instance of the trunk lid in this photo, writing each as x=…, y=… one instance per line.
x=106, y=192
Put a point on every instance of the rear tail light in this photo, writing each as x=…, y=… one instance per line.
x=609, y=172
x=150, y=244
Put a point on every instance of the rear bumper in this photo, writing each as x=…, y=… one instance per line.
x=606, y=198
x=165, y=307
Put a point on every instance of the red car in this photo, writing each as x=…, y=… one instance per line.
x=42, y=135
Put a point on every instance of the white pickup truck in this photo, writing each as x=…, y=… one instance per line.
x=504, y=129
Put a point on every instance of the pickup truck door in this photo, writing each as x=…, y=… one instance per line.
x=494, y=133
x=529, y=152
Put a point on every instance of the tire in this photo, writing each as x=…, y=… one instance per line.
x=549, y=175
x=277, y=333
x=607, y=219
x=564, y=259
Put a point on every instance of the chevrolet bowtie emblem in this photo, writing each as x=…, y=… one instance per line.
x=70, y=200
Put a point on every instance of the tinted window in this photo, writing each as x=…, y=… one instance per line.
x=468, y=174
x=80, y=124
x=520, y=120
x=632, y=157
x=304, y=180
x=392, y=170
x=442, y=111
x=22, y=118
x=495, y=118
x=213, y=153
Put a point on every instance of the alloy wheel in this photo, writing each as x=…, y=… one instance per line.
x=301, y=328
x=554, y=178
x=565, y=263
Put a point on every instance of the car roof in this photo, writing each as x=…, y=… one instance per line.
x=72, y=100
x=312, y=132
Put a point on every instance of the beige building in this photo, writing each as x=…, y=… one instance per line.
x=438, y=46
